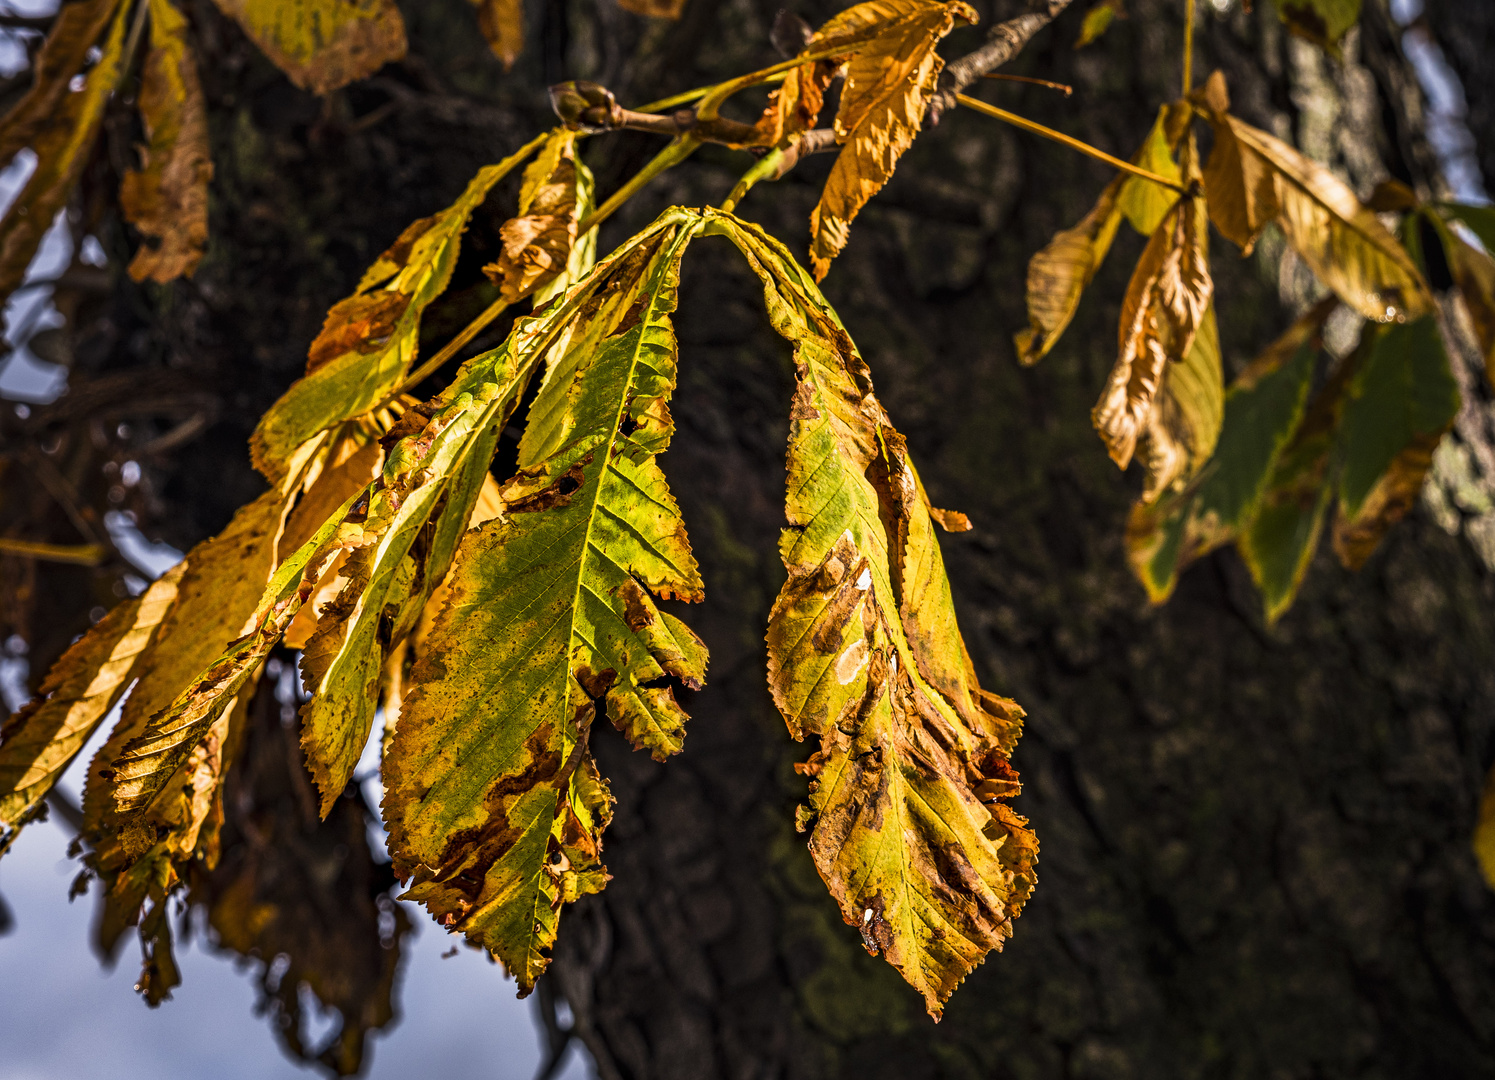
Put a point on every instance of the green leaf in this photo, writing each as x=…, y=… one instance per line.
x=906, y=818
x=322, y=44
x=1097, y=21
x=1145, y=203
x=1262, y=411
x=494, y=807
x=1323, y=22
x=1402, y=401
x=1480, y=219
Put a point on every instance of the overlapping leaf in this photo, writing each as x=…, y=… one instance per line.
x=889, y=82
x=1186, y=414
x=168, y=200
x=369, y=339
x=494, y=807
x=1253, y=178
x=62, y=137
x=1165, y=303
x=1473, y=272
x=1262, y=412
x=322, y=44
x=906, y=818
x=538, y=241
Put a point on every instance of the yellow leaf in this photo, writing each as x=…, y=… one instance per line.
x=907, y=818
x=888, y=86
x=661, y=9
x=1474, y=273
x=556, y=195
x=1097, y=21
x=1323, y=22
x=494, y=807
x=502, y=23
x=322, y=44
x=1253, y=178
x=62, y=140
x=1145, y=203
x=1165, y=302
x=39, y=742
x=63, y=55
x=370, y=339
x=168, y=200
x=1185, y=422
x=1058, y=274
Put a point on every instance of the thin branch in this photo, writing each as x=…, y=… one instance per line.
x=1004, y=42
x=78, y=554
x=1065, y=88
x=1069, y=141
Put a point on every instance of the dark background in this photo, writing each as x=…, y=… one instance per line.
x=1255, y=842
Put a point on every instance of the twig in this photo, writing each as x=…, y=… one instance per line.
x=1004, y=42
x=1068, y=90
x=1188, y=46
x=78, y=554
x=1069, y=141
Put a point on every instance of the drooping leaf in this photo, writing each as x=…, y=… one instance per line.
x=1097, y=21
x=369, y=339
x=1165, y=302
x=1480, y=219
x=907, y=821
x=1262, y=411
x=1280, y=540
x=64, y=54
x=1253, y=178
x=62, y=140
x=502, y=24
x=1474, y=273
x=1323, y=22
x=537, y=242
x=888, y=86
x=1186, y=415
x=291, y=886
x=1145, y=203
x=39, y=742
x=494, y=807
x=168, y=200
x=1058, y=274
x=1402, y=401
x=661, y=9
x=322, y=44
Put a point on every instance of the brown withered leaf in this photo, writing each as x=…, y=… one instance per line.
x=908, y=821
x=39, y=742
x=1186, y=415
x=502, y=24
x=288, y=884
x=889, y=82
x=322, y=44
x=1253, y=178
x=1059, y=273
x=168, y=200
x=1165, y=302
x=1474, y=273
x=537, y=242
x=62, y=139
x=78, y=28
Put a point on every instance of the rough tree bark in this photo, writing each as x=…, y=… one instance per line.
x=1255, y=853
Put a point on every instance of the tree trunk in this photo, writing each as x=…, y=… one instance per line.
x=1255, y=842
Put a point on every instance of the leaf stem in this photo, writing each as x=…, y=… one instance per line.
x=1188, y=46
x=693, y=95
x=764, y=167
x=470, y=331
x=1069, y=141
x=1068, y=90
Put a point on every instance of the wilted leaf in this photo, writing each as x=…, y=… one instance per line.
x=62, y=139
x=1165, y=302
x=168, y=200
x=322, y=44
x=663, y=9
x=303, y=897
x=39, y=742
x=1097, y=21
x=369, y=340
x=1323, y=22
x=1058, y=275
x=494, y=807
x=888, y=86
x=1252, y=179
x=502, y=23
x=1262, y=411
x=1186, y=415
x=537, y=242
x=1474, y=273
x=908, y=824
x=1402, y=401
x=64, y=54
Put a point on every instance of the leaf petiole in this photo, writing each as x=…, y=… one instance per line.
x=765, y=167
x=1069, y=141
